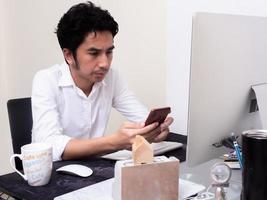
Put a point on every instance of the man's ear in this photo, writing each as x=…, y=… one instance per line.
x=68, y=55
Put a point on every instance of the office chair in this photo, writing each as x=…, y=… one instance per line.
x=20, y=122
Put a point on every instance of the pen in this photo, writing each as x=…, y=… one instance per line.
x=237, y=151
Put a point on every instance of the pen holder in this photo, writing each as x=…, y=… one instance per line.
x=158, y=180
x=254, y=152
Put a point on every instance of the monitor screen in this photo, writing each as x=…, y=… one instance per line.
x=228, y=57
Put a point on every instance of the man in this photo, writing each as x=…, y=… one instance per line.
x=71, y=102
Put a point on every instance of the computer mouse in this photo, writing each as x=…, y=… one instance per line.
x=76, y=169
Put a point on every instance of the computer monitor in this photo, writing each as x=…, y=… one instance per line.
x=228, y=56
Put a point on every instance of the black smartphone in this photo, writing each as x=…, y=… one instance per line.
x=157, y=115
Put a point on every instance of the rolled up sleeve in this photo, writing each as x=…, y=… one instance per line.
x=46, y=118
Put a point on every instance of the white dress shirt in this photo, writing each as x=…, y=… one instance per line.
x=62, y=111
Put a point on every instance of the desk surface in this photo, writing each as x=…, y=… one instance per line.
x=201, y=174
x=12, y=184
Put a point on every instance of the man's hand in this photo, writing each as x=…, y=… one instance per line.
x=164, y=130
x=123, y=138
x=160, y=133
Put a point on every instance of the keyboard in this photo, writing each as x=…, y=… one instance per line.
x=159, y=148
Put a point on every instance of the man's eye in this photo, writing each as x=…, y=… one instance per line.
x=109, y=52
x=93, y=53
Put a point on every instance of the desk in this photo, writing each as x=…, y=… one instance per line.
x=201, y=174
x=13, y=185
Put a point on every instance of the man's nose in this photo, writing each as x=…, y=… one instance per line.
x=104, y=61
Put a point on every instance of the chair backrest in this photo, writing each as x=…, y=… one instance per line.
x=20, y=122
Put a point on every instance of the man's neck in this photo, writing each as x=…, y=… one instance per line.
x=83, y=84
x=87, y=91
x=85, y=87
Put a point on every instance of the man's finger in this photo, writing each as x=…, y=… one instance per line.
x=162, y=136
x=166, y=123
x=148, y=128
x=133, y=125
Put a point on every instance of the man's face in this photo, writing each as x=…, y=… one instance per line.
x=93, y=58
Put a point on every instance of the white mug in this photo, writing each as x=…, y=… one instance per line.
x=37, y=163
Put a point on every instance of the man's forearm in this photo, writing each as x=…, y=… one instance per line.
x=80, y=148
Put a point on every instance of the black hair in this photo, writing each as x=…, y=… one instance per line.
x=80, y=20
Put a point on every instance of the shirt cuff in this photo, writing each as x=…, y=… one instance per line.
x=58, y=143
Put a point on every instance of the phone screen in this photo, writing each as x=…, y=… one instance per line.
x=157, y=115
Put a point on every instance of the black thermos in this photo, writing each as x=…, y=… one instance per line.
x=254, y=156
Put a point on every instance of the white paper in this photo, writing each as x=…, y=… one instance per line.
x=98, y=191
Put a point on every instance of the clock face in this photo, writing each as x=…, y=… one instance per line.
x=220, y=173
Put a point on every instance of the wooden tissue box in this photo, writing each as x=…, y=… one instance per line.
x=156, y=181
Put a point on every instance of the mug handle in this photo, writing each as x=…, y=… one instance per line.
x=13, y=167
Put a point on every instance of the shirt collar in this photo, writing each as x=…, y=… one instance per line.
x=66, y=78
